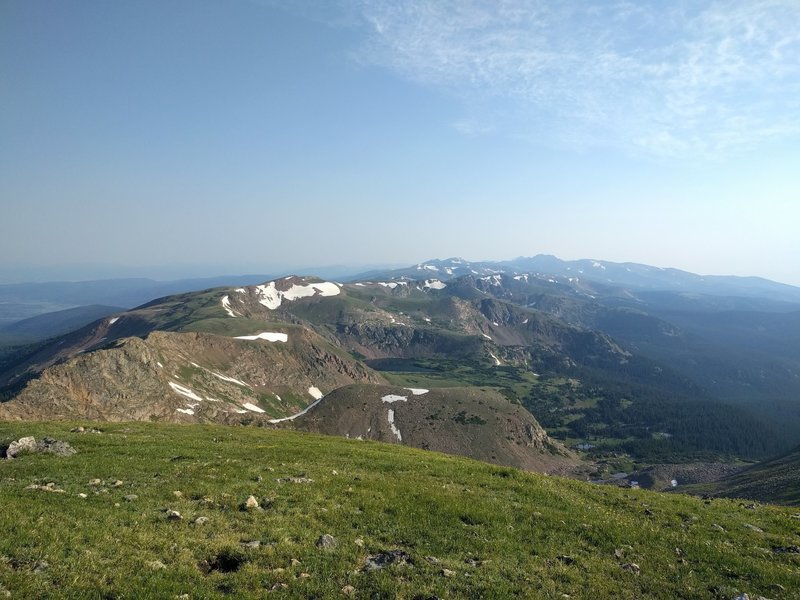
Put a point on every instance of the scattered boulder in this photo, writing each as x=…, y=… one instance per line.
x=327, y=542
x=85, y=430
x=632, y=567
x=49, y=487
x=157, y=565
x=385, y=559
x=348, y=590
x=174, y=515
x=57, y=447
x=201, y=520
x=25, y=445
x=250, y=504
x=299, y=479
x=447, y=573
x=252, y=544
x=29, y=445
x=131, y=497
x=753, y=528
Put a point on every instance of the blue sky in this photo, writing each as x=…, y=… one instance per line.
x=244, y=135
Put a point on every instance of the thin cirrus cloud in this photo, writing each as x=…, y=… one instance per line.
x=682, y=78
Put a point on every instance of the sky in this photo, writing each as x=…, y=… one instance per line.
x=233, y=136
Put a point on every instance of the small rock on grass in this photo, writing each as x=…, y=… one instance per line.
x=327, y=542
x=447, y=573
x=384, y=559
x=156, y=565
x=201, y=520
x=632, y=567
x=174, y=515
x=250, y=504
x=348, y=590
x=131, y=497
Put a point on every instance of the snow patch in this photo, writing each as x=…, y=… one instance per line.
x=226, y=304
x=160, y=366
x=486, y=336
x=521, y=277
x=210, y=399
x=301, y=413
x=113, y=320
x=315, y=393
x=395, y=430
x=272, y=297
x=184, y=391
x=270, y=336
x=434, y=284
x=417, y=391
x=186, y=411
x=497, y=362
x=231, y=379
x=525, y=321
x=389, y=398
x=252, y=407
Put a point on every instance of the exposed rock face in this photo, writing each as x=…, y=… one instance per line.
x=188, y=377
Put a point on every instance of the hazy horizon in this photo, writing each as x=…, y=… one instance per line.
x=166, y=272
x=212, y=137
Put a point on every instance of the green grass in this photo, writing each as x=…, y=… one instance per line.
x=531, y=535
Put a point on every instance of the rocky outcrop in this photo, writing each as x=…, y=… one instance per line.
x=189, y=377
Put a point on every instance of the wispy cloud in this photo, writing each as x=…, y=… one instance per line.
x=691, y=78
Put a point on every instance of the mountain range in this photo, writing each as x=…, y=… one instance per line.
x=587, y=367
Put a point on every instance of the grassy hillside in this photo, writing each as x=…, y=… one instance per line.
x=776, y=480
x=464, y=529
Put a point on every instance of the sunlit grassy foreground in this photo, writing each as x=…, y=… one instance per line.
x=467, y=529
